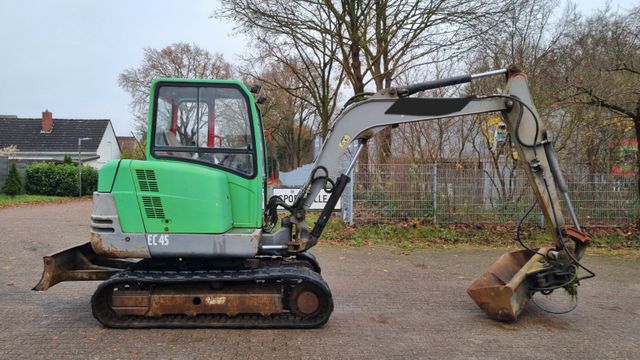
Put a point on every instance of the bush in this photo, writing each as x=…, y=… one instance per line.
x=59, y=180
x=67, y=160
x=13, y=184
x=89, y=180
x=126, y=154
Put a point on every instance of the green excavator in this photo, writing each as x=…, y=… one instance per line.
x=187, y=237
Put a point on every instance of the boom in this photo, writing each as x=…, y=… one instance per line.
x=359, y=122
x=505, y=288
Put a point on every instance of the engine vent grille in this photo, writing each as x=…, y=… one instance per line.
x=147, y=180
x=153, y=207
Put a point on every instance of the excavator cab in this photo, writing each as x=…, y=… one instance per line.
x=200, y=191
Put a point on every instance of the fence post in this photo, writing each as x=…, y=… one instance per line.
x=347, y=209
x=350, y=211
x=435, y=190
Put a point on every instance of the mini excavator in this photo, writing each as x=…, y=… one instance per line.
x=187, y=237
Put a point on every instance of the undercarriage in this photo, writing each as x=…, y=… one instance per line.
x=262, y=292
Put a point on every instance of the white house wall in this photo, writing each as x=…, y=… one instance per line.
x=107, y=150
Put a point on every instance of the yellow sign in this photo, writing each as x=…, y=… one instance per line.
x=346, y=139
x=494, y=121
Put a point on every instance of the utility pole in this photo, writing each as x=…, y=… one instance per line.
x=80, y=140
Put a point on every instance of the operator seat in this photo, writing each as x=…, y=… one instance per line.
x=171, y=140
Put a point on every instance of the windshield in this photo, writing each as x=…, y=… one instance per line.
x=209, y=124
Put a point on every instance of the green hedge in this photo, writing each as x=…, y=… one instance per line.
x=59, y=179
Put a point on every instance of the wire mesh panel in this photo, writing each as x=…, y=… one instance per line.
x=602, y=199
x=474, y=193
x=391, y=192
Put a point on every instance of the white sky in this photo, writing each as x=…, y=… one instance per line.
x=65, y=55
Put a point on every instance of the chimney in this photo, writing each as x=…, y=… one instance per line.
x=47, y=122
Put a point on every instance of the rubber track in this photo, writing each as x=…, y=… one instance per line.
x=311, y=259
x=289, y=274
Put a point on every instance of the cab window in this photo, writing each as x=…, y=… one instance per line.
x=207, y=124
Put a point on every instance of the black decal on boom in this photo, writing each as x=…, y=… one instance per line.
x=427, y=106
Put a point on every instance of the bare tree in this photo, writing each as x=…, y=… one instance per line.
x=599, y=66
x=377, y=39
x=318, y=78
x=178, y=60
x=527, y=35
x=288, y=116
x=406, y=34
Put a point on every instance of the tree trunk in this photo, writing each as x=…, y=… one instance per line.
x=325, y=117
x=383, y=145
x=383, y=138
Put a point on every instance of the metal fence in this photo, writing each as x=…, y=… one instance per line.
x=472, y=193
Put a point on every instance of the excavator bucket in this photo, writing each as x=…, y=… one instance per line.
x=502, y=291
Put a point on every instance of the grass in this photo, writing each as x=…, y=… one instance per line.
x=412, y=235
x=408, y=236
x=8, y=201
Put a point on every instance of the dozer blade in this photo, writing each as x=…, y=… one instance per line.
x=502, y=291
x=78, y=263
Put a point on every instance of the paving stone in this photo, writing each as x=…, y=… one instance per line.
x=388, y=306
